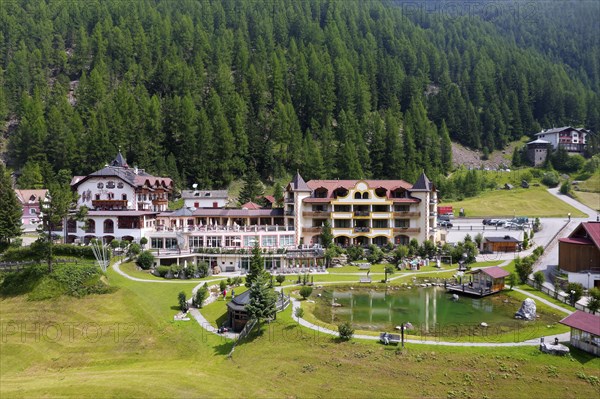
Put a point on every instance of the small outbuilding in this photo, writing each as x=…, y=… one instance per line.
x=481, y=282
x=501, y=244
x=237, y=316
x=585, y=331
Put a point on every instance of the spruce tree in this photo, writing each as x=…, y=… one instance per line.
x=263, y=299
x=257, y=266
x=10, y=209
x=252, y=188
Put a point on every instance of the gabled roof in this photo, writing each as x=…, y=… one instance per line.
x=538, y=141
x=251, y=206
x=583, y=321
x=494, y=272
x=587, y=230
x=119, y=161
x=423, y=184
x=298, y=183
x=30, y=196
x=240, y=301
x=555, y=130
x=502, y=239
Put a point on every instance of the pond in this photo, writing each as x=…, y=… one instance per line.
x=430, y=310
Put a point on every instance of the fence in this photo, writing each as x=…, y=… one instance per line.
x=245, y=331
x=564, y=297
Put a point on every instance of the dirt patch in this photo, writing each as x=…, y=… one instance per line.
x=472, y=158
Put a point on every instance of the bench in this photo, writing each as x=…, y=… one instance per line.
x=365, y=280
x=392, y=338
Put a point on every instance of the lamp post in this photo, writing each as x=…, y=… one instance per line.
x=589, y=273
x=572, y=298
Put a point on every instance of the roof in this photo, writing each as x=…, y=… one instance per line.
x=332, y=185
x=30, y=196
x=182, y=212
x=226, y=212
x=251, y=206
x=493, y=272
x=588, y=230
x=577, y=241
x=583, y=321
x=240, y=301
x=538, y=141
x=555, y=130
x=502, y=239
x=298, y=183
x=269, y=198
x=134, y=177
x=211, y=194
x=423, y=184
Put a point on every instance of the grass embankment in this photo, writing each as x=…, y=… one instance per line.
x=126, y=344
x=131, y=269
x=531, y=202
x=591, y=200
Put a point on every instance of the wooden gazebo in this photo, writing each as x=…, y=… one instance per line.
x=482, y=282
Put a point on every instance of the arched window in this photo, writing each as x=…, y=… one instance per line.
x=356, y=195
x=365, y=196
x=90, y=226
x=109, y=226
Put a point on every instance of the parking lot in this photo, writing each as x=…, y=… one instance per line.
x=463, y=226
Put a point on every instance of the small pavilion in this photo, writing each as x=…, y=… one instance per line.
x=585, y=331
x=483, y=282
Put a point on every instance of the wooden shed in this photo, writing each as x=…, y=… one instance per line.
x=482, y=282
x=585, y=331
x=500, y=244
x=237, y=316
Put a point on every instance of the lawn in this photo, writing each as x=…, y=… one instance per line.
x=126, y=344
x=591, y=200
x=531, y=202
x=131, y=269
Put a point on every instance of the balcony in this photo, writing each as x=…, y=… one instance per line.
x=289, y=200
x=362, y=213
x=316, y=214
x=407, y=214
x=362, y=229
x=407, y=229
x=289, y=213
x=160, y=201
x=311, y=229
x=109, y=204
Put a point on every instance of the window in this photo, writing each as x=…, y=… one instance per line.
x=171, y=243
x=215, y=204
x=356, y=195
x=196, y=242
x=401, y=208
x=401, y=223
x=233, y=241
x=97, y=196
x=124, y=197
x=365, y=196
x=120, y=184
x=100, y=185
x=156, y=242
x=110, y=184
x=341, y=223
x=110, y=196
x=269, y=241
x=196, y=205
x=286, y=241
x=213, y=241
x=380, y=223
x=249, y=241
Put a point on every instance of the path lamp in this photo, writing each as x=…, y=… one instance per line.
x=572, y=298
x=589, y=273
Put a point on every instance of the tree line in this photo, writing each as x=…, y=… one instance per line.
x=205, y=92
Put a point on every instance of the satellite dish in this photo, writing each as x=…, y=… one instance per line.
x=129, y=204
x=195, y=186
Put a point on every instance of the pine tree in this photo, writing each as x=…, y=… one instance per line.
x=10, y=209
x=257, y=266
x=31, y=176
x=278, y=194
x=263, y=299
x=252, y=188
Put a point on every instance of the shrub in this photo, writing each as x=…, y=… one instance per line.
x=299, y=312
x=577, y=292
x=143, y=241
x=200, y=296
x=550, y=179
x=355, y=253
x=222, y=285
x=346, y=331
x=565, y=188
x=594, y=300
x=183, y=305
x=145, y=260
x=163, y=270
x=539, y=278
x=512, y=280
x=523, y=269
x=305, y=291
x=280, y=278
x=134, y=249
x=203, y=269
x=237, y=281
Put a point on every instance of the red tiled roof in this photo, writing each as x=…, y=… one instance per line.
x=493, y=272
x=25, y=195
x=593, y=230
x=577, y=240
x=270, y=198
x=583, y=321
x=251, y=205
x=332, y=185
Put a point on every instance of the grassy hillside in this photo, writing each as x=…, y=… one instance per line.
x=126, y=344
x=531, y=202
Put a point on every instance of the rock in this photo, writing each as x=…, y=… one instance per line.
x=527, y=310
x=398, y=328
x=558, y=349
x=319, y=295
x=336, y=305
x=483, y=324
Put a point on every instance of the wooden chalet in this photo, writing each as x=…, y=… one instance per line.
x=500, y=244
x=579, y=254
x=481, y=282
x=585, y=331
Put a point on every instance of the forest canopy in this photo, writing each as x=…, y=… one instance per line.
x=203, y=90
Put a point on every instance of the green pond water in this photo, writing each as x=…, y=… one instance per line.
x=427, y=309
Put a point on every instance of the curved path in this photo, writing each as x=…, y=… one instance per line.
x=296, y=304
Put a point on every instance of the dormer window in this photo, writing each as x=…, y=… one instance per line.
x=357, y=196
x=207, y=194
x=100, y=185
x=321, y=192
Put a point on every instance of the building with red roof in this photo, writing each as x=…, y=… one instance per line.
x=585, y=331
x=579, y=254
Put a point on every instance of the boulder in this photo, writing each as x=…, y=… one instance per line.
x=527, y=310
x=554, y=349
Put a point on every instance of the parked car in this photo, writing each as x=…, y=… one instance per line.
x=486, y=221
x=513, y=226
x=445, y=223
x=496, y=222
